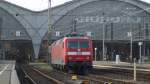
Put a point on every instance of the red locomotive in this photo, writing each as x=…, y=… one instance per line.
x=72, y=53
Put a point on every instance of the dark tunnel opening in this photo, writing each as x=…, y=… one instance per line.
x=19, y=50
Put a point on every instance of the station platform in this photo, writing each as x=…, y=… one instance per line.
x=8, y=73
x=121, y=65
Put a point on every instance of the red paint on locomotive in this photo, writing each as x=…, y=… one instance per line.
x=70, y=51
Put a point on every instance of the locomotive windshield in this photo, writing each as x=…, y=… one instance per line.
x=73, y=44
x=84, y=44
x=78, y=44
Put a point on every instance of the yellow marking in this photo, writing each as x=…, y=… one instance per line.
x=85, y=82
x=108, y=83
x=74, y=77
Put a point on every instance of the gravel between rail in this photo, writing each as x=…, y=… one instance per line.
x=38, y=77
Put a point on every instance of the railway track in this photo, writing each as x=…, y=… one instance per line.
x=37, y=77
x=97, y=79
x=66, y=78
x=101, y=76
x=122, y=74
x=97, y=76
x=104, y=79
x=61, y=76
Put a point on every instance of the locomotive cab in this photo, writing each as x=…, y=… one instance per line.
x=79, y=54
x=74, y=53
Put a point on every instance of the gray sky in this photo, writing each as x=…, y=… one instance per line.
x=37, y=5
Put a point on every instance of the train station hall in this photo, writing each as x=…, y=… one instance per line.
x=117, y=27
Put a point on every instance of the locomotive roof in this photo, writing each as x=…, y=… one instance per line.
x=76, y=38
x=61, y=40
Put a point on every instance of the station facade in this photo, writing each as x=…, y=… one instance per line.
x=112, y=24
